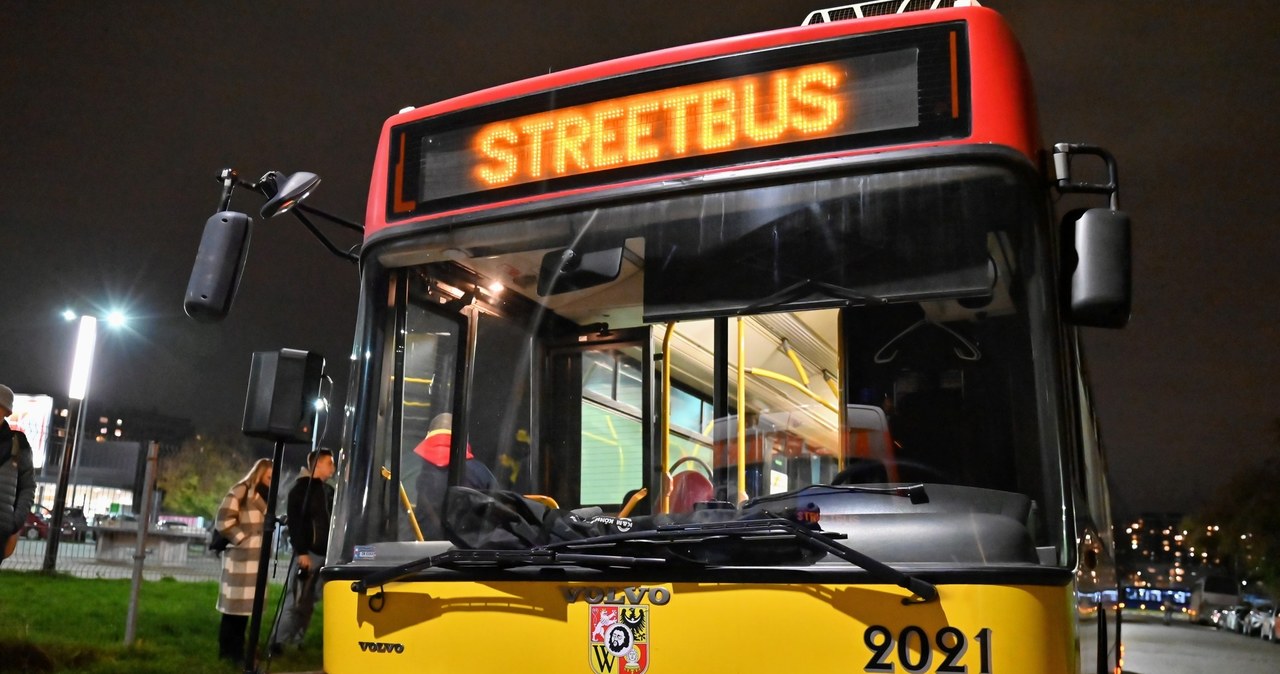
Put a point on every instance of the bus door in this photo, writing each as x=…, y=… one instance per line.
x=459, y=361
x=596, y=396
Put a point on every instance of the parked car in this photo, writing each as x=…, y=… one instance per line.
x=1269, y=628
x=74, y=525
x=1261, y=621
x=36, y=526
x=1231, y=617
x=75, y=528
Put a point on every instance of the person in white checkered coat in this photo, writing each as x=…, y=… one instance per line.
x=240, y=518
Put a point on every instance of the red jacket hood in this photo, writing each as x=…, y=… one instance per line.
x=435, y=448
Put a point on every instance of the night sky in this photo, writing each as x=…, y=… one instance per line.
x=116, y=117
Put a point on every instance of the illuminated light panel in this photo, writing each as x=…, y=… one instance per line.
x=799, y=100
x=729, y=114
x=82, y=366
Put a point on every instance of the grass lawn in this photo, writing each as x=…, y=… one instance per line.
x=64, y=624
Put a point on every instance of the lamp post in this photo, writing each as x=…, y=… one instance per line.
x=82, y=368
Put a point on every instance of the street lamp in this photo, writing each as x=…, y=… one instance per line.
x=77, y=391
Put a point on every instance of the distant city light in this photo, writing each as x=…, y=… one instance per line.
x=69, y=315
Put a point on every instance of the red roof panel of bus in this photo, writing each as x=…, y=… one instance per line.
x=1003, y=106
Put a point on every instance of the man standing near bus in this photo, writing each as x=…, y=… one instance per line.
x=17, y=477
x=309, y=508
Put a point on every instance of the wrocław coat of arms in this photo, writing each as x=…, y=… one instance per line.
x=619, y=639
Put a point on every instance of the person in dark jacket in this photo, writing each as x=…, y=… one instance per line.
x=433, y=478
x=309, y=508
x=17, y=477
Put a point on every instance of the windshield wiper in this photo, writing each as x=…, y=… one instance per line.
x=806, y=287
x=560, y=553
x=922, y=591
x=500, y=559
x=914, y=491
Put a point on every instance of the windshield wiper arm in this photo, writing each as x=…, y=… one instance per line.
x=914, y=491
x=452, y=559
x=557, y=553
x=806, y=287
x=922, y=591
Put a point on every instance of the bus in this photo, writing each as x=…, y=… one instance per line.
x=1210, y=592
x=760, y=354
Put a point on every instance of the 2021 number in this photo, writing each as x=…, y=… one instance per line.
x=915, y=650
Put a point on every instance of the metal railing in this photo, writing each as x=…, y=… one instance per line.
x=107, y=556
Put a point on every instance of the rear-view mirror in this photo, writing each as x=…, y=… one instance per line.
x=1100, y=291
x=215, y=276
x=567, y=270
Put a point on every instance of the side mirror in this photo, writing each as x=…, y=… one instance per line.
x=283, y=388
x=567, y=270
x=289, y=192
x=215, y=276
x=1100, y=291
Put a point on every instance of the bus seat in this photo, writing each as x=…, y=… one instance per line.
x=689, y=488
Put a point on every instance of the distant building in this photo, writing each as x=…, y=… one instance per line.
x=1158, y=552
x=1155, y=549
x=109, y=467
x=106, y=424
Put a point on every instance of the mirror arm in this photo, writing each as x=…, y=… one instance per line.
x=266, y=187
x=229, y=181
x=315, y=231
x=1062, y=154
x=353, y=226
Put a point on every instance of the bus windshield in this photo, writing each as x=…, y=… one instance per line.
x=753, y=343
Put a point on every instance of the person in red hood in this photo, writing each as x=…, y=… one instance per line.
x=433, y=478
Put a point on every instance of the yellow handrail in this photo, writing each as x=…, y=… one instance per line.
x=408, y=507
x=769, y=374
x=795, y=360
x=665, y=425
x=633, y=502
x=742, y=413
x=832, y=383
x=543, y=499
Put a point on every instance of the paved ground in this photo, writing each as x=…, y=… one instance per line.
x=1154, y=648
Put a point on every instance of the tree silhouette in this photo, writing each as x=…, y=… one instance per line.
x=1246, y=512
x=198, y=475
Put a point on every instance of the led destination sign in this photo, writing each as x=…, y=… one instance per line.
x=790, y=104
x=533, y=145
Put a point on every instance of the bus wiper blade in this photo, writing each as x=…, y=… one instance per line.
x=502, y=559
x=922, y=591
x=807, y=287
x=914, y=491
